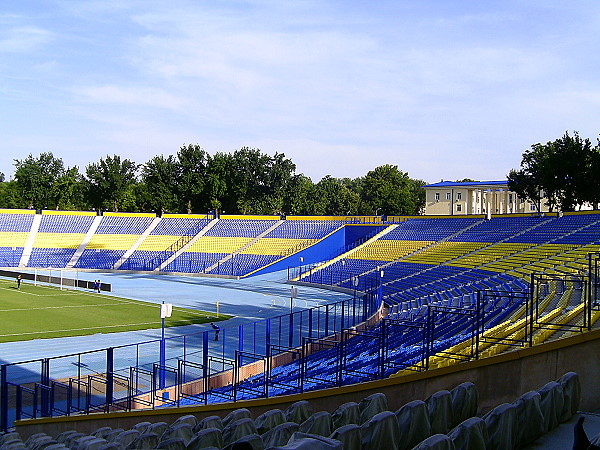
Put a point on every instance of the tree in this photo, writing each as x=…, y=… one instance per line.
x=161, y=176
x=417, y=193
x=36, y=180
x=256, y=182
x=527, y=182
x=387, y=190
x=592, y=187
x=109, y=182
x=217, y=180
x=278, y=175
x=249, y=176
x=9, y=196
x=192, y=163
x=68, y=190
x=332, y=197
x=560, y=170
x=298, y=195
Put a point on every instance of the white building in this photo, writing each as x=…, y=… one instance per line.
x=476, y=197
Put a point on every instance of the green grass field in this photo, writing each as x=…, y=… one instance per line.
x=47, y=312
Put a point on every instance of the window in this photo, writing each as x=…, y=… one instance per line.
x=458, y=195
x=437, y=196
x=459, y=207
x=510, y=198
x=448, y=195
x=532, y=207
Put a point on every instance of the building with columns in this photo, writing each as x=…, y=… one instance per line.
x=476, y=197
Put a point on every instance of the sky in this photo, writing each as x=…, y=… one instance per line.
x=444, y=90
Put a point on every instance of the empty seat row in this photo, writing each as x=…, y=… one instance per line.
x=446, y=419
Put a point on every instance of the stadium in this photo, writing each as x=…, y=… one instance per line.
x=473, y=331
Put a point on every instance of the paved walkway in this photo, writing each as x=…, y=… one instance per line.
x=247, y=300
x=561, y=438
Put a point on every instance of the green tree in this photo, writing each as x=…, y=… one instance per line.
x=141, y=197
x=298, y=195
x=68, y=191
x=9, y=195
x=161, y=176
x=256, y=182
x=249, y=177
x=417, y=193
x=217, y=181
x=278, y=174
x=592, y=187
x=387, y=190
x=192, y=163
x=332, y=197
x=36, y=180
x=109, y=183
x=128, y=201
x=560, y=170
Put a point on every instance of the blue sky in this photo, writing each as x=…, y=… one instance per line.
x=441, y=89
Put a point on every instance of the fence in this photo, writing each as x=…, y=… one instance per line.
x=552, y=305
x=326, y=346
x=59, y=280
x=129, y=377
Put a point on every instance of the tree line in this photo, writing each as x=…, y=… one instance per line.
x=565, y=171
x=246, y=181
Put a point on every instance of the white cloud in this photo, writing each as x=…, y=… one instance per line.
x=133, y=96
x=23, y=39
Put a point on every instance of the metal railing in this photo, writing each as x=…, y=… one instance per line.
x=126, y=377
x=296, y=352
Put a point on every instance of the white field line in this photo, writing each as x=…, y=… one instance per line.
x=80, y=329
x=19, y=291
x=95, y=295
x=55, y=307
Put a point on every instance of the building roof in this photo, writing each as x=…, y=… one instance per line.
x=466, y=184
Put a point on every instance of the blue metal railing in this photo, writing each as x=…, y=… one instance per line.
x=87, y=379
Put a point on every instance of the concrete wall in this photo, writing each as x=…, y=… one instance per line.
x=499, y=379
x=356, y=232
x=311, y=254
x=327, y=246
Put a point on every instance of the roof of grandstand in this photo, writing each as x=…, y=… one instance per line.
x=466, y=183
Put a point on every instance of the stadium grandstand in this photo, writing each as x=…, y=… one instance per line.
x=453, y=332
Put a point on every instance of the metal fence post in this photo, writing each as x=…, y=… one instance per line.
x=268, y=334
x=531, y=314
x=291, y=330
x=3, y=398
x=45, y=381
x=590, y=299
x=110, y=368
x=205, y=368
